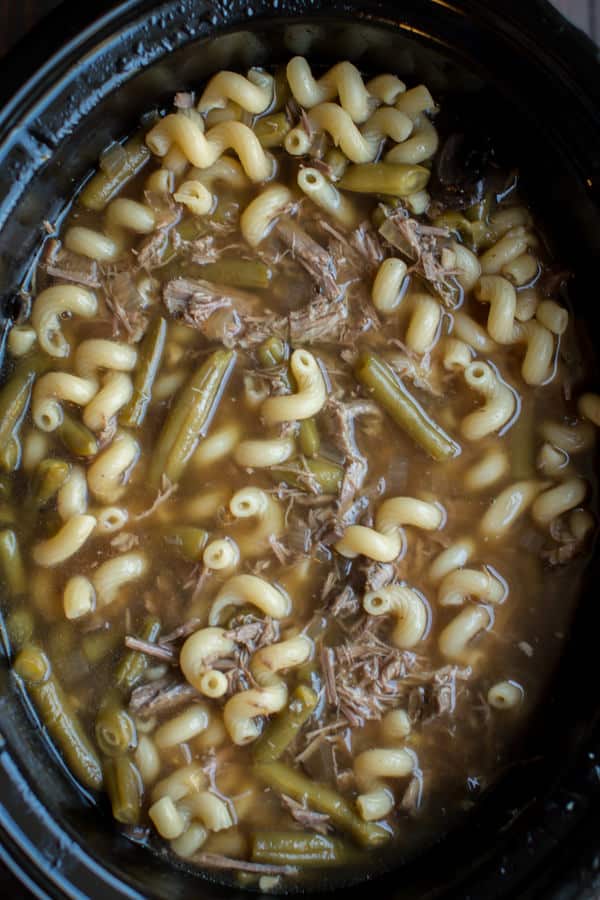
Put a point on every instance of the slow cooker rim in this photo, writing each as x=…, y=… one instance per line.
x=53, y=64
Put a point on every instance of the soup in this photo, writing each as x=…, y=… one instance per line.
x=296, y=491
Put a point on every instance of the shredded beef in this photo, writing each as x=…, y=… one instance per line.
x=58, y=262
x=199, y=304
x=161, y=696
x=125, y=302
x=311, y=256
x=423, y=245
x=355, y=464
x=308, y=818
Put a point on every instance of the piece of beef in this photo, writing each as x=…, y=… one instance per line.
x=311, y=256
x=58, y=262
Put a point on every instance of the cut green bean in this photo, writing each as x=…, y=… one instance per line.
x=284, y=728
x=115, y=730
x=190, y=417
x=98, y=644
x=10, y=454
x=272, y=352
x=11, y=564
x=389, y=391
x=133, y=663
x=272, y=129
x=20, y=626
x=124, y=787
x=396, y=179
x=238, y=273
x=189, y=540
x=294, y=848
x=310, y=439
x=15, y=395
x=322, y=799
x=101, y=189
x=49, y=477
x=77, y=437
x=149, y=360
x=61, y=722
x=327, y=475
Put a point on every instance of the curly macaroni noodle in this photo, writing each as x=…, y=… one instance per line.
x=407, y=606
x=310, y=396
x=53, y=304
x=385, y=542
x=242, y=590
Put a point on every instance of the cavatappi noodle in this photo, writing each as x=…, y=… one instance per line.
x=296, y=482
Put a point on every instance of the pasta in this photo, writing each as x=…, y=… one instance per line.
x=296, y=476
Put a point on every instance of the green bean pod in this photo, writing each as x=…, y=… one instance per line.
x=97, y=645
x=328, y=475
x=76, y=437
x=115, y=729
x=49, y=477
x=10, y=454
x=272, y=129
x=133, y=663
x=321, y=798
x=285, y=727
x=20, y=626
x=189, y=540
x=62, y=724
x=272, y=352
x=294, y=848
x=389, y=391
x=11, y=563
x=102, y=188
x=251, y=274
x=190, y=417
x=395, y=179
x=310, y=439
x=149, y=360
x=15, y=395
x=125, y=789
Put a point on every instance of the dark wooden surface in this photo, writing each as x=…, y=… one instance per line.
x=17, y=16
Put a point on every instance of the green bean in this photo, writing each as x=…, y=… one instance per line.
x=475, y=235
x=11, y=564
x=389, y=391
x=284, y=728
x=282, y=93
x=310, y=439
x=133, y=663
x=101, y=189
x=115, y=730
x=272, y=352
x=233, y=272
x=522, y=445
x=49, y=477
x=304, y=850
x=149, y=360
x=20, y=626
x=328, y=475
x=10, y=454
x=396, y=179
x=15, y=395
x=66, y=654
x=124, y=787
x=321, y=798
x=190, y=417
x=189, y=540
x=76, y=437
x=62, y=724
x=98, y=644
x=272, y=129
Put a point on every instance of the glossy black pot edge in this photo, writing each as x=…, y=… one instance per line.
x=27, y=827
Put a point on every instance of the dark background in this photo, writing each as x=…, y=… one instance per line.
x=18, y=16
